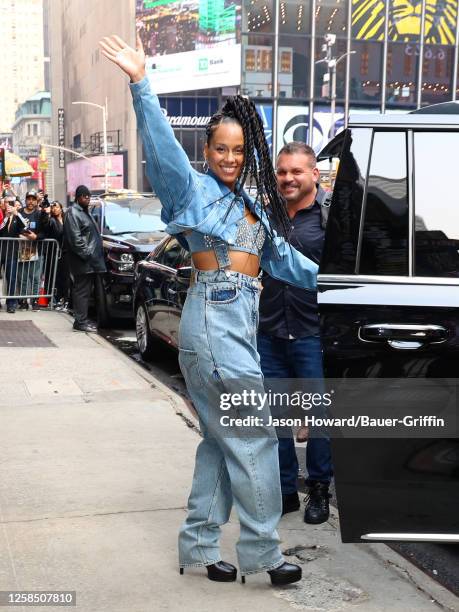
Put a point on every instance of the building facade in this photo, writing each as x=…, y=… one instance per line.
x=391, y=56
x=80, y=73
x=31, y=131
x=21, y=33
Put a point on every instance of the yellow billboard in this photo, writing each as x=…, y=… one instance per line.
x=368, y=20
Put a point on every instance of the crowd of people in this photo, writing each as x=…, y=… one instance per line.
x=32, y=263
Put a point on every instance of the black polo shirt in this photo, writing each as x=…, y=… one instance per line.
x=286, y=311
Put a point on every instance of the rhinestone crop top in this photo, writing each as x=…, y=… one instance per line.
x=250, y=238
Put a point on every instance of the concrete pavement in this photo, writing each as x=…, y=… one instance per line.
x=95, y=467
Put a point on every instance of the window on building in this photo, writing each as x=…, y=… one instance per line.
x=294, y=66
x=384, y=240
x=402, y=74
x=35, y=129
x=366, y=73
x=436, y=215
x=257, y=65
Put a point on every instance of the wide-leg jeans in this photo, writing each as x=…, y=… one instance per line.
x=218, y=347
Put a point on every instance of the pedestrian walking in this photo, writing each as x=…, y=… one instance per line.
x=289, y=337
x=229, y=235
x=83, y=244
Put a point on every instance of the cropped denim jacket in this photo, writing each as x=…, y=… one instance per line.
x=191, y=200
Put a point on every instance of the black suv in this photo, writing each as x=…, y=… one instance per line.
x=130, y=225
x=389, y=305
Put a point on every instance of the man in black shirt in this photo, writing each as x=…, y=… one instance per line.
x=289, y=338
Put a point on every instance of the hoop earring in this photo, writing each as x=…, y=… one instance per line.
x=205, y=167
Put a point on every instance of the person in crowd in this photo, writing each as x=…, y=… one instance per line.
x=229, y=235
x=30, y=260
x=11, y=227
x=56, y=232
x=83, y=245
x=289, y=336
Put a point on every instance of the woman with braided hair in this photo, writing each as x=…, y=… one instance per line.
x=230, y=237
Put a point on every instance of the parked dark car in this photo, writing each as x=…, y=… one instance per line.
x=160, y=287
x=130, y=224
x=389, y=306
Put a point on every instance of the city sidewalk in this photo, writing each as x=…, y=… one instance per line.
x=96, y=460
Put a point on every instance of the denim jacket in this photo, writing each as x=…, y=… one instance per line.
x=192, y=200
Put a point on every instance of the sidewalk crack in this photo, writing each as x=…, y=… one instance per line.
x=89, y=515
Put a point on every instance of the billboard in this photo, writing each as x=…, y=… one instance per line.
x=405, y=21
x=191, y=44
x=91, y=172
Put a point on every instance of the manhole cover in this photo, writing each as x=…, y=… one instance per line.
x=22, y=333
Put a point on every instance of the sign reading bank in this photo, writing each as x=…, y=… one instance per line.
x=191, y=44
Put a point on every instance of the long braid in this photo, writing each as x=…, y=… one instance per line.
x=257, y=160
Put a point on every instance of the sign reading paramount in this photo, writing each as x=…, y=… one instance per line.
x=191, y=44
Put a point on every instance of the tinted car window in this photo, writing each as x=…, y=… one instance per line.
x=384, y=249
x=340, y=248
x=173, y=255
x=436, y=206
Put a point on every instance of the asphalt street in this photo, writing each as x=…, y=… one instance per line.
x=440, y=561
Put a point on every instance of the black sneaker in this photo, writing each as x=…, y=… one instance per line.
x=11, y=309
x=35, y=305
x=290, y=503
x=317, y=504
x=23, y=305
x=85, y=327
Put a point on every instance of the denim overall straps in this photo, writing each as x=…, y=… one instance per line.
x=221, y=254
x=217, y=341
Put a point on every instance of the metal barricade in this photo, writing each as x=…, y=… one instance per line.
x=28, y=268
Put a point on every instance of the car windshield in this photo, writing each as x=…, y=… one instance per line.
x=126, y=215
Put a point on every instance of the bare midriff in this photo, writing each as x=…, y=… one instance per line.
x=246, y=263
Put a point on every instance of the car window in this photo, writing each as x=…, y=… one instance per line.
x=341, y=240
x=384, y=237
x=436, y=205
x=126, y=215
x=174, y=256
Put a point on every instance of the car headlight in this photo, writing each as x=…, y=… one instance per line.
x=122, y=262
x=126, y=262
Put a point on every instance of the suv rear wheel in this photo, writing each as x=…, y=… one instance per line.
x=145, y=340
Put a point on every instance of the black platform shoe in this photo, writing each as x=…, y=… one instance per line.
x=220, y=572
x=284, y=574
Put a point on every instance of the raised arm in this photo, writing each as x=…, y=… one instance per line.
x=167, y=166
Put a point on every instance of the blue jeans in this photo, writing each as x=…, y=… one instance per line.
x=217, y=342
x=301, y=358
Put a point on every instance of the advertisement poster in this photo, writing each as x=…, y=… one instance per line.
x=91, y=172
x=191, y=44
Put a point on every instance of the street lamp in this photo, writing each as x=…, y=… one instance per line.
x=332, y=62
x=104, y=119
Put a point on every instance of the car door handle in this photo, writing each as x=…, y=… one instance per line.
x=403, y=336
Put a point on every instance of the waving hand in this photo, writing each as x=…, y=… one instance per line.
x=131, y=61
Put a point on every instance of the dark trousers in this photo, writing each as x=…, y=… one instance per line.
x=82, y=287
x=301, y=358
x=10, y=267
